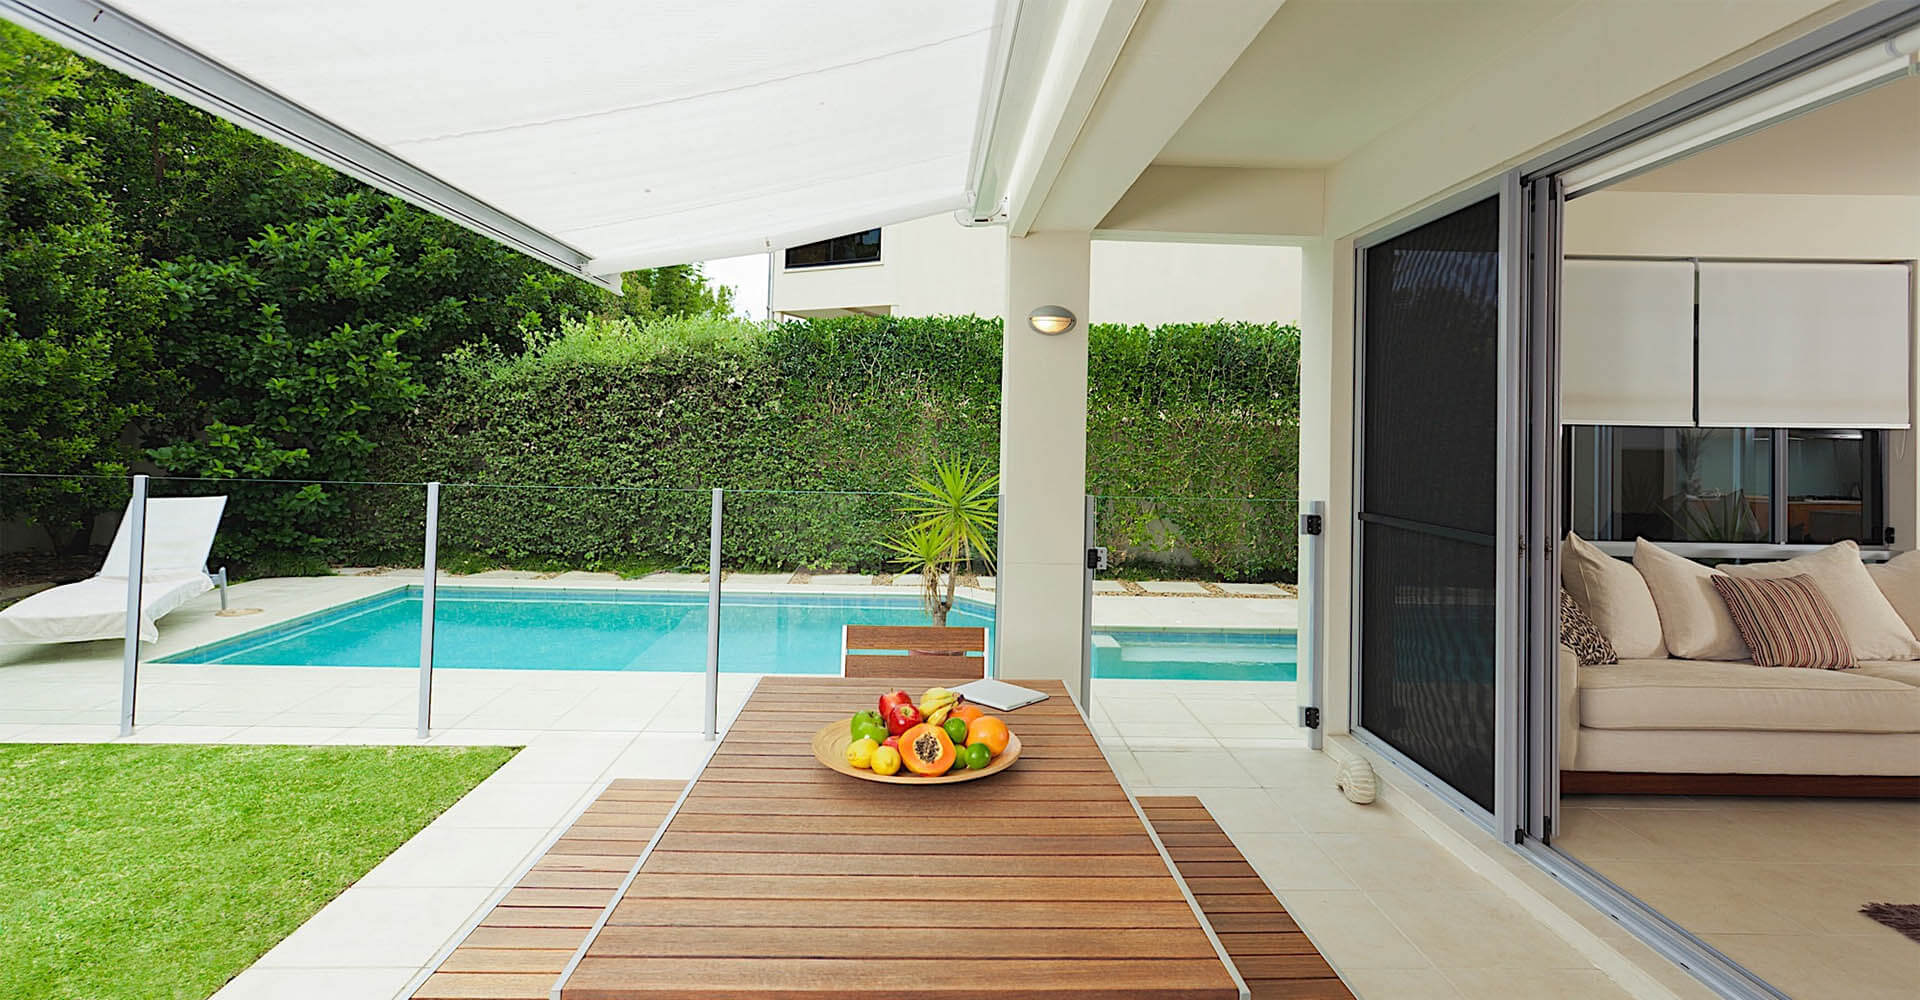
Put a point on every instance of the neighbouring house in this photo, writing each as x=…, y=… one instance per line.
x=938, y=266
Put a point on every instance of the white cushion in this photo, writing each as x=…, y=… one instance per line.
x=1899, y=582
x=1874, y=629
x=1614, y=596
x=1693, y=619
x=1678, y=694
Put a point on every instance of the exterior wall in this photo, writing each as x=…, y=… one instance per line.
x=935, y=266
x=1593, y=64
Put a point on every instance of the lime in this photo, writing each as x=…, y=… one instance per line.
x=977, y=756
x=956, y=731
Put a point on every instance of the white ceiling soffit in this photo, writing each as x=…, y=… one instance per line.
x=595, y=135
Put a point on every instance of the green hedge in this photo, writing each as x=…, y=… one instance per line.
x=669, y=410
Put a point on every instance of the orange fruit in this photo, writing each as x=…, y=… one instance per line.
x=989, y=730
x=967, y=713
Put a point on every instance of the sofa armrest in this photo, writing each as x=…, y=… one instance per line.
x=1569, y=707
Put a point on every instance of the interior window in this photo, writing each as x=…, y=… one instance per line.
x=1833, y=486
x=853, y=248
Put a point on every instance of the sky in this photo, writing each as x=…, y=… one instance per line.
x=747, y=276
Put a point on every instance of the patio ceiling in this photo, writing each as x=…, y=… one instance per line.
x=598, y=136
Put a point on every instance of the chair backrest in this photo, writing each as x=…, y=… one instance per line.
x=913, y=651
x=180, y=533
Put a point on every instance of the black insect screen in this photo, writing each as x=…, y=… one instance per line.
x=1428, y=499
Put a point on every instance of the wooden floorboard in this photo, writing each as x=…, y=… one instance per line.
x=1267, y=947
x=520, y=946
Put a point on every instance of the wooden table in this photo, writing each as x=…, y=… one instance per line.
x=778, y=878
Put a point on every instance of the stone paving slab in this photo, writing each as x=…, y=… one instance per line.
x=841, y=580
x=1109, y=587
x=1257, y=589
x=1172, y=587
x=507, y=574
x=753, y=580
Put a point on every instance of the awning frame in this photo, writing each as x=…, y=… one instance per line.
x=101, y=32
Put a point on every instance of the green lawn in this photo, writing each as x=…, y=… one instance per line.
x=132, y=871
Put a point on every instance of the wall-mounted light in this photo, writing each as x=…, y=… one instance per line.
x=1050, y=320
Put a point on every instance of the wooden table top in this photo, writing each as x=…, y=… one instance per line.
x=779, y=878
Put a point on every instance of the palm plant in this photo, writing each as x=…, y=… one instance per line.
x=953, y=515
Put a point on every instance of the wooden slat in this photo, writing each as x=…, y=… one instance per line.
x=518, y=949
x=1268, y=949
x=780, y=878
x=917, y=637
x=953, y=668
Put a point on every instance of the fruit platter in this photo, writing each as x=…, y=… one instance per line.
x=937, y=740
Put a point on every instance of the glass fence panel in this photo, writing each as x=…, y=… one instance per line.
x=1195, y=623
x=61, y=620
x=801, y=566
x=569, y=608
x=311, y=637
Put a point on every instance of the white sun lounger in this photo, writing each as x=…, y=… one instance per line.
x=180, y=533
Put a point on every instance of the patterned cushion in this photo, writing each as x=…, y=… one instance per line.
x=1785, y=621
x=1580, y=634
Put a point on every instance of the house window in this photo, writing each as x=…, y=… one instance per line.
x=853, y=248
x=1687, y=484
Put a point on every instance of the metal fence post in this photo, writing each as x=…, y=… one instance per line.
x=136, y=568
x=1089, y=540
x=1311, y=609
x=426, y=608
x=711, y=718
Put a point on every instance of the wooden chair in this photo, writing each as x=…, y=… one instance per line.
x=913, y=651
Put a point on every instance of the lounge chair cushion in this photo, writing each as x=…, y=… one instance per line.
x=96, y=608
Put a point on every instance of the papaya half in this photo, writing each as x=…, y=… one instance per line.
x=926, y=751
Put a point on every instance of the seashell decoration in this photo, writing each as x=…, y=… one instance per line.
x=1355, y=781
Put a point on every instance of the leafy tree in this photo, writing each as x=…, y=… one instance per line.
x=76, y=308
x=681, y=290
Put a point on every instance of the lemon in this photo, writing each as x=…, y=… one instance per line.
x=860, y=752
x=886, y=760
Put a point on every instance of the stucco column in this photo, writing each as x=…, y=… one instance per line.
x=1043, y=462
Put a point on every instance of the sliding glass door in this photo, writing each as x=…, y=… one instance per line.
x=1435, y=393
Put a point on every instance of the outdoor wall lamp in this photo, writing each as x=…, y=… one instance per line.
x=1051, y=320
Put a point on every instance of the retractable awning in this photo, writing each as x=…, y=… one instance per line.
x=599, y=136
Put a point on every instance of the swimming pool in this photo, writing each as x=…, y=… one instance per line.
x=661, y=631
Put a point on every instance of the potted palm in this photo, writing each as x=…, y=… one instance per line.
x=952, y=517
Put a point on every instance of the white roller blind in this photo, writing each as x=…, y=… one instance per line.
x=1804, y=345
x=1626, y=342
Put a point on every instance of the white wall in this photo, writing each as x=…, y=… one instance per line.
x=935, y=266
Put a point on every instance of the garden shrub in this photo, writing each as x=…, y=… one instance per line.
x=811, y=425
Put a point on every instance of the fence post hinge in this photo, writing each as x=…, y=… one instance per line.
x=1097, y=557
x=1309, y=717
x=1310, y=524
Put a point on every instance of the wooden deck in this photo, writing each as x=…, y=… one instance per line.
x=1268, y=948
x=779, y=878
x=517, y=951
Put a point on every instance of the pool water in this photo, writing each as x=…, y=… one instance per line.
x=636, y=630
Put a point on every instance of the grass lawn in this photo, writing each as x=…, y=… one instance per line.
x=157, y=871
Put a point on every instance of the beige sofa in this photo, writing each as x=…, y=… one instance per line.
x=1625, y=722
x=1698, y=726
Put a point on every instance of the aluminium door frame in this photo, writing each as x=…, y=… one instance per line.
x=1504, y=819
x=1845, y=34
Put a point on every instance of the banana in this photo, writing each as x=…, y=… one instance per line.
x=937, y=704
x=938, y=715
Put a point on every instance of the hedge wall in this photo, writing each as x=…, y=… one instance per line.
x=669, y=411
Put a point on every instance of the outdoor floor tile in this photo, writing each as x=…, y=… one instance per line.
x=1191, y=767
x=263, y=983
x=533, y=805
x=1535, y=984
x=1476, y=930
x=448, y=856
x=378, y=927
x=1291, y=861
x=1404, y=984
x=1351, y=931
x=1388, y=861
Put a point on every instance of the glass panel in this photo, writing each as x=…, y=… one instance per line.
x=1194, y=623
x=1835, y=482
x=318, y=641
x=1428, y=506
x=54, y=531
x=1670, y=484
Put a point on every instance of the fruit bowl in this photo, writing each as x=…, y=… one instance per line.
x=830, y=748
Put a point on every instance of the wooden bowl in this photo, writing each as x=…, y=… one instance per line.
x=830, y=748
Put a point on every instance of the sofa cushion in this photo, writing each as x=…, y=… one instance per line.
x=1614, y=596
x=1904, y=671
x=1786, y=621
x=1579, y=633
x=1874, y=628
x=1899, y=582
x=1693, y=619
x=1692, y=694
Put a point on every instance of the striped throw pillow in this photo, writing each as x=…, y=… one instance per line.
x=1785, y=621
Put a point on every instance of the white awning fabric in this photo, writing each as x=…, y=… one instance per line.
x=633, y=134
